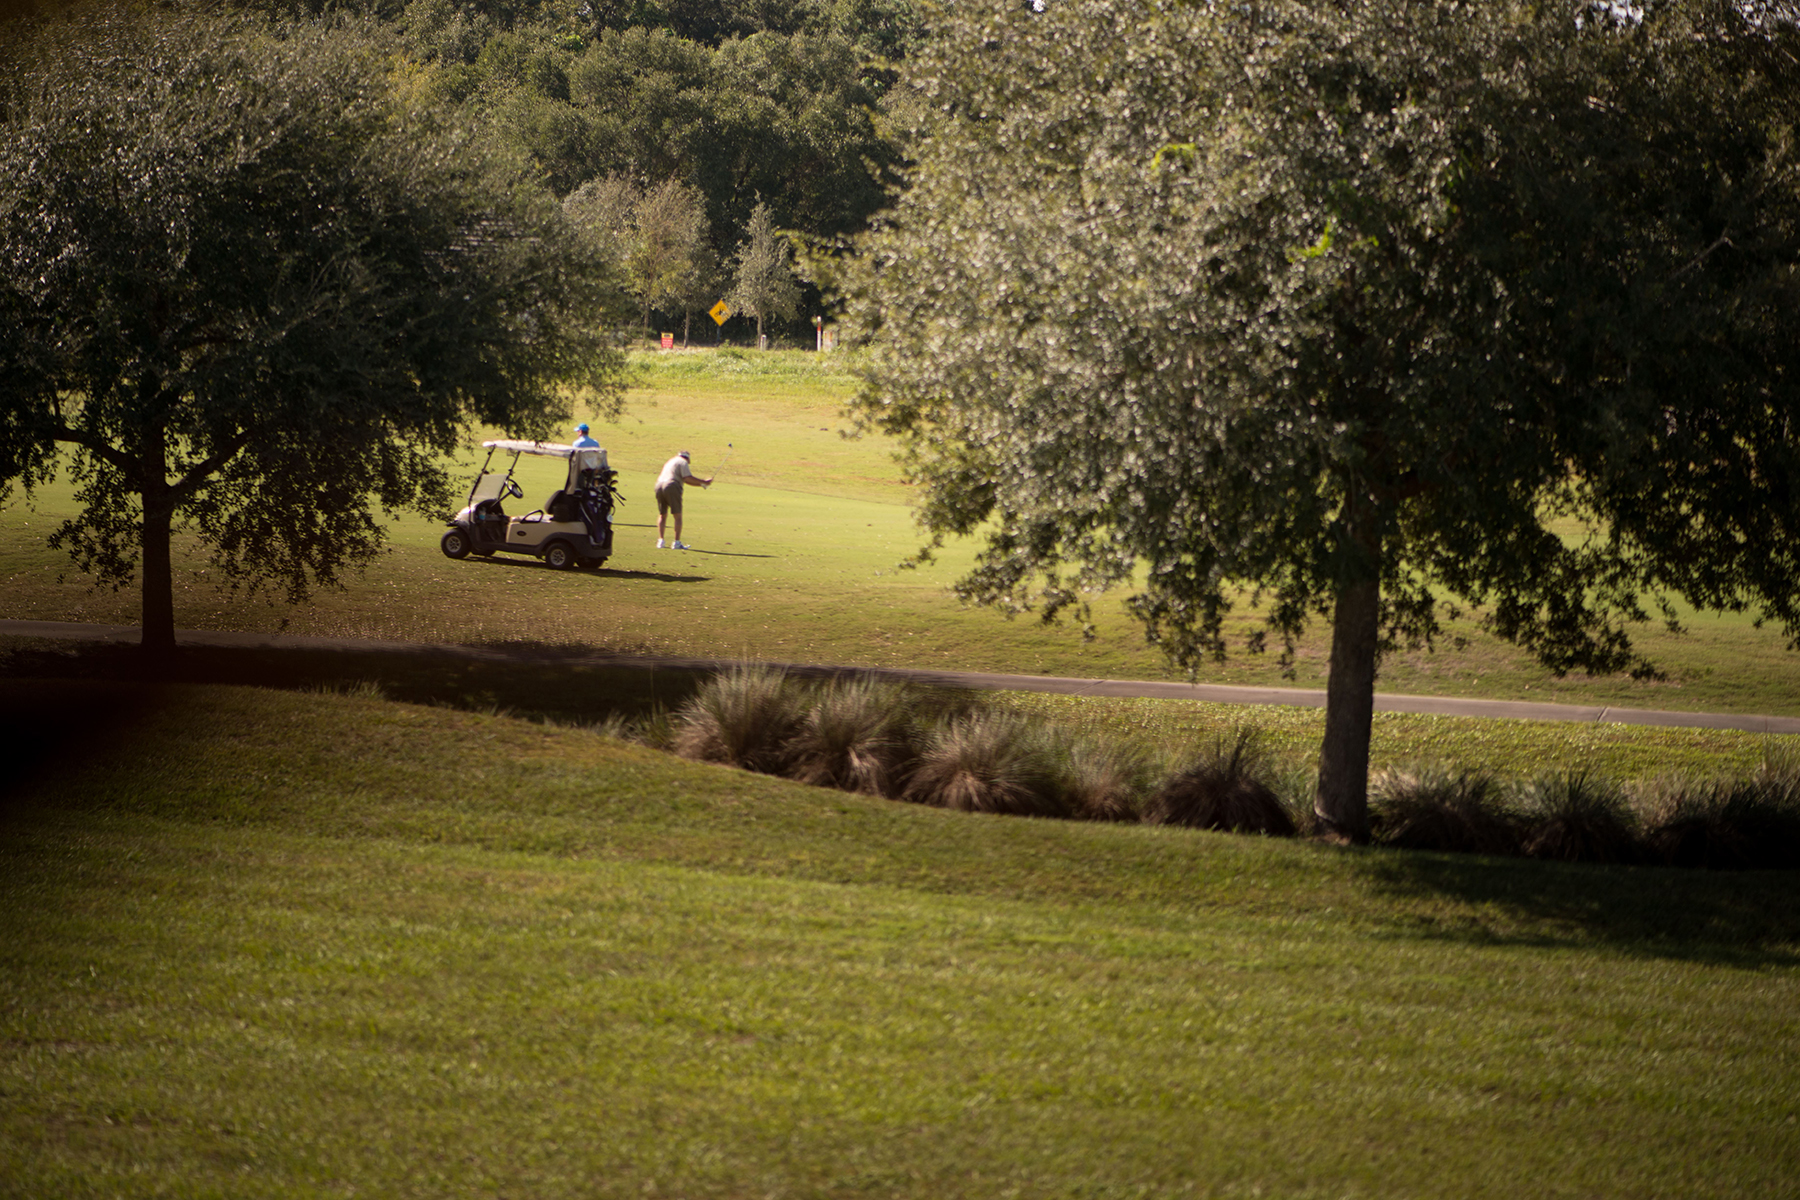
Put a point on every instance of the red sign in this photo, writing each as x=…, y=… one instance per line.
x=668, y=341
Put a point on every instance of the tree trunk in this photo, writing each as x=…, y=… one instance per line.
x=155, y=565
x=1342, y=801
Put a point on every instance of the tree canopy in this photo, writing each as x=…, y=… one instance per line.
x=257, y=295
x=657, y=234
x=1349, y=310
x=784, y=116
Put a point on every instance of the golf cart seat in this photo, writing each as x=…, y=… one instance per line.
x=562, y=506
x=489, y=515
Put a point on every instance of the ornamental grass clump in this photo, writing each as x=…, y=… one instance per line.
x=1751, y=824
x=860, y=735
x=1226, y=789
x=745, y=717
x=1434, y=808
x=1100, y=780
x=1575, y=817
x=988, y=762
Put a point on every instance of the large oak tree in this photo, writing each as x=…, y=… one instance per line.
x=1354, y=308
x=256, y=297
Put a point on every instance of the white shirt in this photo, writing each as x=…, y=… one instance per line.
x=674, y=471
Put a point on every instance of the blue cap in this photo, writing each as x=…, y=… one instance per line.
x=582, y=428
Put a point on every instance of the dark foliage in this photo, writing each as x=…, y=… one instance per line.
x=1223, y=790
x=1337, y=306
x=1462, y=813
x=1578, y=818
x=876, y=26
x=1738, y=825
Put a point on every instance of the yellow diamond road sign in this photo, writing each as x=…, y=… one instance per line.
x=719, y=312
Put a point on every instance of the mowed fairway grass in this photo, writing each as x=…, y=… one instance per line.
x=278, y=943
x=800, y=545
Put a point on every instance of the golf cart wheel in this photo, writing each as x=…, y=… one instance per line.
x=455, y=544
x=559, y=556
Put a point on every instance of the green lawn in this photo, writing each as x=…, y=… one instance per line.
x=406, y=928
x=800, y=543
x=266, y=943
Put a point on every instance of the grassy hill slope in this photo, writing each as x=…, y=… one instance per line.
x=266, y=943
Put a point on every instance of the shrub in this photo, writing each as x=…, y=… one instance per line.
x=1577, y=818
x=1099, y=781
x=860, y=735
x=1223, y=790
x=992, y=762
x=1749, y=824
x=746, y=717
x=1461, y=812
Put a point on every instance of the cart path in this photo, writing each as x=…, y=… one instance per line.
x=1163, y=690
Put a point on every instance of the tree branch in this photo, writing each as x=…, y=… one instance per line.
x=200, y=472
x=1704, y=255
x=98, y=446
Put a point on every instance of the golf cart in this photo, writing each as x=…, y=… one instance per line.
x=574, y=528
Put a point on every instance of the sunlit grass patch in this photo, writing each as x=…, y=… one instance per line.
x=1291, y=735
x=801, y=543
x=701, y=365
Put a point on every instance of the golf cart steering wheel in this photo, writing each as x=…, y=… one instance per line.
x=514, y=490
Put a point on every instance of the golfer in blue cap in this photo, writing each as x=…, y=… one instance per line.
x=584, y=442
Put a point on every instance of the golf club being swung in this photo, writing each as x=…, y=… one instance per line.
x=729, y=451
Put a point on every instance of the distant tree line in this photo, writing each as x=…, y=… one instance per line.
x=725, y=106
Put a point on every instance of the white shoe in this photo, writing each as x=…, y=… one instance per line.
x=659, y=544
x=683, y=546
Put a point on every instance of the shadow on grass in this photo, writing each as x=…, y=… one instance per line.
x=652, y=576
x=1738, y=918
x=533, y=564
x=42, y=728
x=536, y=680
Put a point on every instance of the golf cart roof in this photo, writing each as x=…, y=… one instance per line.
x=547, y=449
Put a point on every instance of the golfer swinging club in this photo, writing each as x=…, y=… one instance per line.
x=675, y=474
